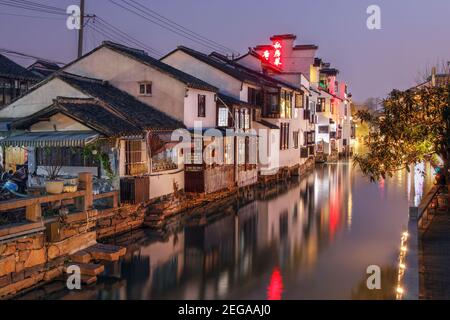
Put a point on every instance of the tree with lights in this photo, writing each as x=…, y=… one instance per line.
x=412, y=126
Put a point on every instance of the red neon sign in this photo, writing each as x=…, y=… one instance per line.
x=273, y=55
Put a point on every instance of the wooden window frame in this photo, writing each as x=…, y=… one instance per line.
x=201, y=105
x=135, y=160
x=146, y=85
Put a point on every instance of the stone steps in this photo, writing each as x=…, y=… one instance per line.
x=89, y=269
x=81, y=257
x=106, y=252
x=99, y=251
x=87, y=280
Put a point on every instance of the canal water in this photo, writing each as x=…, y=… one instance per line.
x=310, y=239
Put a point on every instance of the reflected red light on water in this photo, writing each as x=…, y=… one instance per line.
x=275, y=288
x=334, y=216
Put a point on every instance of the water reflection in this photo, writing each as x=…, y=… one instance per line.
x=308, y=239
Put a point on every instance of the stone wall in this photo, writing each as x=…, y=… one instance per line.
x=119, y=220
x=31, y=260
x=24, y=263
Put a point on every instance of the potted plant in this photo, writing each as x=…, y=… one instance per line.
x=53, y=185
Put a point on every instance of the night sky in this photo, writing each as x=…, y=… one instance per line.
x=414, y=34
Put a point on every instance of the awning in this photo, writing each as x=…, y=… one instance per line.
x=51, y=139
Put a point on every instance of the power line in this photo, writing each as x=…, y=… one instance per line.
x=110, y=35
x=27, y=56
x=30, y=16
x=183, y=28
x=142, y=14
x=127, y=37
x=35, y=7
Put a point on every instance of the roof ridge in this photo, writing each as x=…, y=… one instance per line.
x=119, y=45
x=79, y=77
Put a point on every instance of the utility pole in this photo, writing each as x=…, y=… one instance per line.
x=81, y=30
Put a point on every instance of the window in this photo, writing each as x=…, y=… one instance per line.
x=311, y=105
x=135, y=158
x=273, y=99
x=298, y=100
x=145, y=88
x=201, y=106
x=320, y=107
x=309, y=137
x=165, y=160
x=286, y=105
x=65, y=156
x=303, y=152
x=295, y=136
x=288, y=99
x=324, y=129
x=222, y=118
x=284, y=136
x=254, y=96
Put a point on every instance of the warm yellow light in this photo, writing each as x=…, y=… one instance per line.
x=400, y=290
x=402, y=266
x=406, y=234
x=403, y=248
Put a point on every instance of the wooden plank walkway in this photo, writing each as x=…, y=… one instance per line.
x=435, y=258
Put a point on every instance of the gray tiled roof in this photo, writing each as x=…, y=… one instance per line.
x=135, y=111
x=10, y=69
x=143, y=57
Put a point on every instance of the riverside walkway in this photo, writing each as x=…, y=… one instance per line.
x=435, y=257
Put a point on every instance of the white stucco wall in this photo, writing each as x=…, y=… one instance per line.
x=251, y=62
x=227, y=84
x=40, y=98
x=125, y=73
x=58, y=122
x=191, y=109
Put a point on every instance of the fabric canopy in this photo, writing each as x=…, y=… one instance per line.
x=51, y=139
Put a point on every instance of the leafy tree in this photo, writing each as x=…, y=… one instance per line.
x=412, y=126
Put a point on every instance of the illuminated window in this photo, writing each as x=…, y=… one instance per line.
x=320, y=107
x=165, y=160
x=298, y=100
x=135, y=158
x=222, y=120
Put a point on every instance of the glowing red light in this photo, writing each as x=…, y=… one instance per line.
x=275, y=288
x=273, y=54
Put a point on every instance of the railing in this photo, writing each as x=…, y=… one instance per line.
x=419, y=221
x=83, y=199
x=429, y=204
